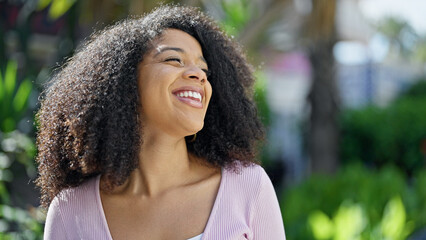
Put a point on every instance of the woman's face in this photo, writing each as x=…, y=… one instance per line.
x=173, y=85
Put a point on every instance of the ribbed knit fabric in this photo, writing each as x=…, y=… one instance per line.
x=246, y=207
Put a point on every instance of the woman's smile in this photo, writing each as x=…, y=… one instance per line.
x=192, y=96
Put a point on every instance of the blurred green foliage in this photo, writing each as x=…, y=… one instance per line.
x=18, y=219
x=260, y=97
x=57, y=7
x=15, y=222
x=237, y=15
x=392, y=135
x=13, y=97
x=357, y=203
x=17, y=152
x=350, y=222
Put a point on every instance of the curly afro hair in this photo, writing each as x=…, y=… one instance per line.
x=88, y=124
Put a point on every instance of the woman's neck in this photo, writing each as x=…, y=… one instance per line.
x=164, y=163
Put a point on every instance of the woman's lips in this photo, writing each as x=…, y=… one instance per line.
x=190, y=95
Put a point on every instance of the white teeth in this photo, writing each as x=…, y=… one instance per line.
x=190, y=94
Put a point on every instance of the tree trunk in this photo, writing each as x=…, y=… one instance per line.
x=323, y=97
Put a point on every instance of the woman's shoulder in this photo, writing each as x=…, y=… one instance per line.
x=246, y=180
x=242, y=193
x=77, y=199
x=76, y=213
x=249, y=199
x=250, y=174
x=72, y=194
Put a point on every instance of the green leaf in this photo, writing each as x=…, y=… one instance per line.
x=22, y=95
x=59, y=8
x=350, y=221
x=42, y=4
x=2, y=90
x=8, y=89
x=393, y=222
x=10, y=78
x=321, y=225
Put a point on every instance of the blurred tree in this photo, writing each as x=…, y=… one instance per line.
x=401, y=35
x=252, y=35
x=405, y=42
x=247, y=20
x=323, y=97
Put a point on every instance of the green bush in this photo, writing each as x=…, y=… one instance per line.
x=392, y=135
x=17, y=149
x=355, y=204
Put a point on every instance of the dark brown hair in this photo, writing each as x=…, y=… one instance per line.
x=88, y=125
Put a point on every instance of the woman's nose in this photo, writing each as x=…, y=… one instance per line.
x=195, y=73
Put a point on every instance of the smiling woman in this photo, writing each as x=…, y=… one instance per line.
x=149, y=132
x=173, y=78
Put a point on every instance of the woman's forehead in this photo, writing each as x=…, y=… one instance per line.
x=176, y=37
x=176, y=40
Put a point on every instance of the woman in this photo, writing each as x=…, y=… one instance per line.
x=149, y=132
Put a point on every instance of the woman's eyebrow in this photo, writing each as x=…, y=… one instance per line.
x=164, y=49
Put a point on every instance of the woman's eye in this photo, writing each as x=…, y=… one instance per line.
x=173, y=60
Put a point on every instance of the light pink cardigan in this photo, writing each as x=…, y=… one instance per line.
x=246, y=207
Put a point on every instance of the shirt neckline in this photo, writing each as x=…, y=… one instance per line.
x=196, y=237
x=209, y=221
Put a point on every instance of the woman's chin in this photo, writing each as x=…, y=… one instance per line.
x=194, y=128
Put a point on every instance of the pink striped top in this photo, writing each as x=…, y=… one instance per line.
x=246, y=207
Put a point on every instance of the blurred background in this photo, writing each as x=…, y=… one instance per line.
x=340, y=86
